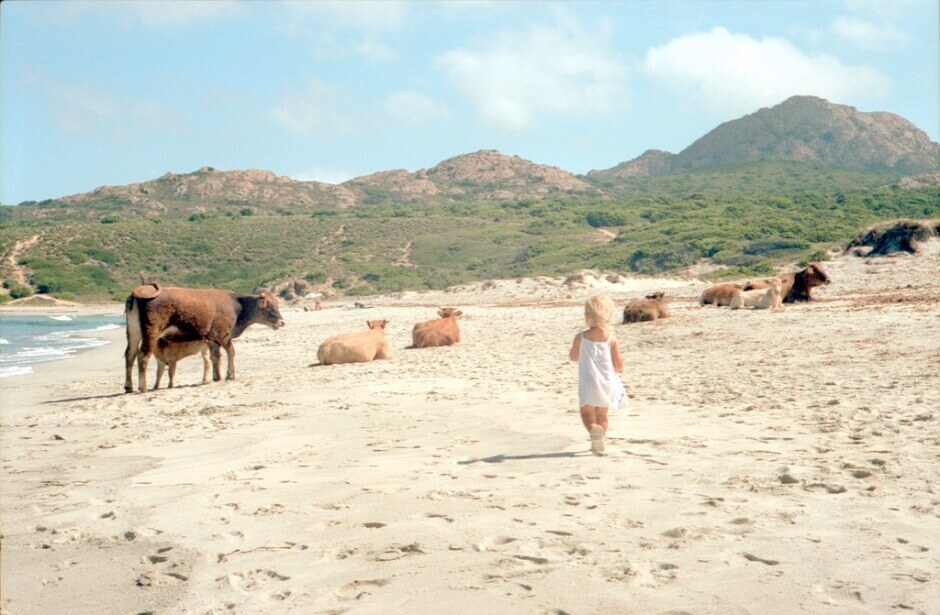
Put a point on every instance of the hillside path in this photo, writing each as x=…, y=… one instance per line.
x=20, y=273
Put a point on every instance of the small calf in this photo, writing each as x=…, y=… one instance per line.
x=168, y=354
x=772, y=299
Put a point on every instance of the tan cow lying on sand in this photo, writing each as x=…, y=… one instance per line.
x=440, y=332
x=773, y=298
x=359, y=347
x=720, y=294
x=646, y=310
x=168, y=354
x=759, y=299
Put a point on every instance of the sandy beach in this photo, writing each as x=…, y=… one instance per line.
x=768, y=462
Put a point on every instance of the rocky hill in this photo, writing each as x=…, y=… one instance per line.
x=485, y=175
x=650, y=162
x=200, y=191
x=803, y=128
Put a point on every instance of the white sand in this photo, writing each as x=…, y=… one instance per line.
x=770, y=462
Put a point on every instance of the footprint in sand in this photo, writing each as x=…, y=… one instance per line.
x=490, y=542
x=359, y=589
x=251, y=580
x=394, y=552
x=913, y=548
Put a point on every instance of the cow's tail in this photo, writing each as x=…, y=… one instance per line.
x=133, y=316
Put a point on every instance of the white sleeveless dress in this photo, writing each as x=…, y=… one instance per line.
x=598, y=383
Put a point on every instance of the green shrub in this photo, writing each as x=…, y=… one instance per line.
x=110, y=219
x=599, y=219
x=246, y=211
x=814, y=257
x=18, y=291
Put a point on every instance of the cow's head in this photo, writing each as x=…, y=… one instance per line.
x=268, y=314
x=816, y=275
x=448, y=312
x=377, y=324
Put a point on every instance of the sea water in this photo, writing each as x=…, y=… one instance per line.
x=27, y=340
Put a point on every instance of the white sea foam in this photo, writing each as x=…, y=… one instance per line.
x=106, y=328
x=3, y=341
x=15, y=370
x=62, y=317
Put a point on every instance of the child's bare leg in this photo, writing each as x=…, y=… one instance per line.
x=587, y=417
x=600, y=415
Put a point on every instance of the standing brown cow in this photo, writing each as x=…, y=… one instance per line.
x=440, y=332
x=186, y=315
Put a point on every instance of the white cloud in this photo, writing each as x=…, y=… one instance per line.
x=867, y=34
x=519, y=77
x=734, y=73
x=85, y=107
x=329, y=176
x=413, y=107
x=319, y=111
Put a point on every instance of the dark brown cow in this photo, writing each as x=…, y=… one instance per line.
x=186, y=315
x=439, y=332
x=796, y=286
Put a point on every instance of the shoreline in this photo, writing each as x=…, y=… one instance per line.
x=109, y=336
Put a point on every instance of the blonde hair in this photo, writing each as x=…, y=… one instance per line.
x=599, y=311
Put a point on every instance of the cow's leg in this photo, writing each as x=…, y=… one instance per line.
x=216, y=362
x=161, y=367
x=205, y=364
x=132, y=316
x=172, y=373
x=230, y=357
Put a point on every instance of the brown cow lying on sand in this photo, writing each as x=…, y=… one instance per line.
x=440, y=332
x=359, y=347
x=168, y=354
x=720, y=294
x=188, y=315
x=646, y=310
x=796, y=286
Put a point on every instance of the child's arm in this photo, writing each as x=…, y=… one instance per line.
x=575, y=353
x=616, y=356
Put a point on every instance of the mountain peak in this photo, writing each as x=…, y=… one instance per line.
x=803, y=128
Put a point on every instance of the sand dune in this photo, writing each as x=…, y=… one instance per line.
x=769, y=462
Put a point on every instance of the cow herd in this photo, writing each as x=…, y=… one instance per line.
x=769, y=293
x=175, y=323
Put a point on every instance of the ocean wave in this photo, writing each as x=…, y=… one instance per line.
x=63, y=317
x=3, y=341
x=15, y=370
x=106, y=328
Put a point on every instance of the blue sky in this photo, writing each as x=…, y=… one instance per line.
x=96, y=93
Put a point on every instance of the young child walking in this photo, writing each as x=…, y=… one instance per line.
x=600, y=363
